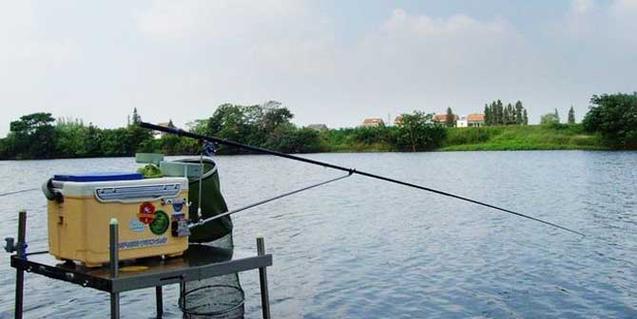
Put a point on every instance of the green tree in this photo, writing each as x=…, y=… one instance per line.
x=138, y=139
x=33, y=136
x=510, y=114
x=289, y=139
x=136, y=117
x=557, y=115
x=549, y=119
x=615, y=117
x=274, y=116
x=93, y=141
x=571, y=115
x=525, y=117
x=519, y=118
x=500, y=112
x=70, y=139
x=451, y=118
x=418, y=132
x=228, y=121
x=115, y=142
x=5, y=152
x=248, y=124
x=198, y=126
x=487, y=115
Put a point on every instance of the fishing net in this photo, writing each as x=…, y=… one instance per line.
x=221, y=296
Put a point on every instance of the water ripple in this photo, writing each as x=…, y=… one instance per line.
x=365, y=249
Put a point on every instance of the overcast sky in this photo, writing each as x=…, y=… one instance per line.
x=333, y=62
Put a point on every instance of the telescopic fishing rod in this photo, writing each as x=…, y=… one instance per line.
x=350, y=171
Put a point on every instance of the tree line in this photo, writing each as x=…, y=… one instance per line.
x=40, y=136
x=496, y=113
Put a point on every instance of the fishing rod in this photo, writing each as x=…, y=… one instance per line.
x=257, y=149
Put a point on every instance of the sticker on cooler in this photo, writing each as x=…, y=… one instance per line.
x=141, y=243
x=178, y=205
x=159, y=225
x=146, y=213
x=135, y=225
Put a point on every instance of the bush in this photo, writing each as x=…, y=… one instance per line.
x=615, y=117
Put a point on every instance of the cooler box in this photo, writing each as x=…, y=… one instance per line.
x=152, y=216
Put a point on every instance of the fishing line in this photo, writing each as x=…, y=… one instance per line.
x=207, y=220
x=20, y=191
x=257, y=149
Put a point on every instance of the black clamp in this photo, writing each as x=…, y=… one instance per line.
x=10, y=244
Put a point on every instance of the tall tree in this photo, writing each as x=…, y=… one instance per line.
x=518, y=113
x=500, y=111
x=571, y=115
x=451, y=118
x=136, y=117
x=505, y=115
x=511, y=114
x=525, y=118
x=487, y=115
x=557, y=115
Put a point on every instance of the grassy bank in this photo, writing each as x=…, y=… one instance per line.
x=493, y=138
x=531, y=137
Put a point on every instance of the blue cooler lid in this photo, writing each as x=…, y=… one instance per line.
x=98, y=177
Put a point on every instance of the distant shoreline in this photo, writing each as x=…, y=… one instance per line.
x=466, y=139
x=441, y=150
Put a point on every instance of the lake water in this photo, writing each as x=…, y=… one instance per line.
x=363, y=248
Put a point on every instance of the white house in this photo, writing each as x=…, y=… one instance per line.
x=471, y=120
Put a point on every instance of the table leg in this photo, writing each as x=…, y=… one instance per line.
x=115, y=305
x=19, y=278
x=114, y=263
x=263, y=281
x=159, y=298
x=19, y=288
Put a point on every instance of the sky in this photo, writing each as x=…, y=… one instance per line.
x=329, y=61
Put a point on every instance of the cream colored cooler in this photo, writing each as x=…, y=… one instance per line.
x=152, y=216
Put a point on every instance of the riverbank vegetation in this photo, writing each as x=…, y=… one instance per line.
x=514, y=138
x=611, y=123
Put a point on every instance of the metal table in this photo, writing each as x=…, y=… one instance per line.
x=198, y=262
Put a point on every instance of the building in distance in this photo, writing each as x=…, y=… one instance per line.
x=373, y=122
x=471, y=120
x=169, y=124
x=442, y=118
x=318, y=127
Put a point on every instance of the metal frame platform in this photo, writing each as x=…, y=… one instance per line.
x=198, y=262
